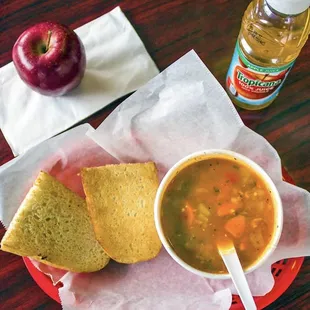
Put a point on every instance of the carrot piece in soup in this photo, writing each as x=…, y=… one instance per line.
x=227, y=208
x=188, y=214
x=232, y=177
x=243, y=244
x=236, y=226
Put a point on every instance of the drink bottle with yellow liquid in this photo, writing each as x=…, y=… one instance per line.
x=271, y=37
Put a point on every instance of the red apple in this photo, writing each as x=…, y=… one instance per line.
x=50, y=58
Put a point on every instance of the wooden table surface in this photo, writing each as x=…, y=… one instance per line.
x=169, y=29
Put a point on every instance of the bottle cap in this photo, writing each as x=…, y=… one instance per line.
x=289, y=7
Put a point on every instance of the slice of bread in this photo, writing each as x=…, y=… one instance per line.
x=120, y=199
x=53, y=226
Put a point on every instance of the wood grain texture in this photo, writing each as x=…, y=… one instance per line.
x=169, y=29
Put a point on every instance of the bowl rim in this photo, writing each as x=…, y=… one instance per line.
x=202, y=155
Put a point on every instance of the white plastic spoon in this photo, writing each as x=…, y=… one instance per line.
x=232, y=263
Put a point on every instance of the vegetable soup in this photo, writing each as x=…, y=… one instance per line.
x=214, y=199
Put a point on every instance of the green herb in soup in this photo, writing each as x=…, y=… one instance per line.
x=214, y=199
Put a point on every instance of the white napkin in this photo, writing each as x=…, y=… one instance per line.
x=117, y=64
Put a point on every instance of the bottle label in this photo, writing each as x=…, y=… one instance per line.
x=253, y=84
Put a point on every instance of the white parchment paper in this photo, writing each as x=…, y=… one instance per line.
x=117, y=64
x=184, y=109
x=180, y=111
x=157, y=283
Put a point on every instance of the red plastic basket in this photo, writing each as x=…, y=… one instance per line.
x=284, y=272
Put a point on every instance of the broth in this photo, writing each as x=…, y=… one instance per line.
x=214, y=199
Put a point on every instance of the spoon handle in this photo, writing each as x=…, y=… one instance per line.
x=234, y=267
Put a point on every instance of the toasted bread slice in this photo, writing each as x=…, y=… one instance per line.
x=120, y=200
x=53, y=226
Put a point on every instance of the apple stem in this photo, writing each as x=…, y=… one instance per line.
x=49, y=34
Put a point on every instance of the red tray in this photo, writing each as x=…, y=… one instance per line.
x=284, y=272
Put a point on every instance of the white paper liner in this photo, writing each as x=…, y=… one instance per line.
x=180, y=111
